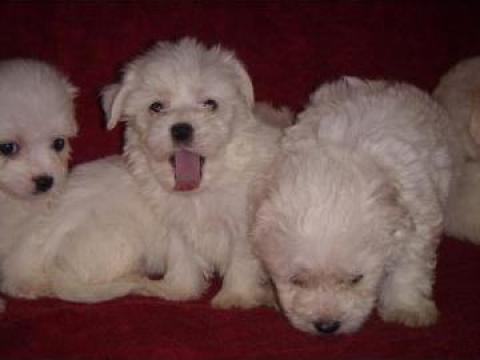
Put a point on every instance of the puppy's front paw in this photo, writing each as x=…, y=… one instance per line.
x=169, y=291
x=26, y=289
x=424, y=313
x=227, y=299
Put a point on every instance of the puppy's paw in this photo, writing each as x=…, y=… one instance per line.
x=168, y=291
x=26, y=289
x=227, y=299
x=424, y=313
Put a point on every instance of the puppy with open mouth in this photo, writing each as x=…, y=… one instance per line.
x=178, y=203
x=36, y=123
x=195, y=148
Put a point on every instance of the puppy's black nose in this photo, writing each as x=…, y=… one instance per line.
x=43, y=183
x=327, y=326
x=182, y=132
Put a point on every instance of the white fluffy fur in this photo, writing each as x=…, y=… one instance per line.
x=36, y=107
x=116, y=226
x=459, y=92
x=352, y=208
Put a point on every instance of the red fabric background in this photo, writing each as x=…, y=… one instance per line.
x=288, y=48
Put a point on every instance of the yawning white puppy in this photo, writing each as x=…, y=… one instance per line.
x=352, y=209
x=193, y=150
x=36, y=122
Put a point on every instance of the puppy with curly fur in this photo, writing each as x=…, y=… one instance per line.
x=180, y=206
x=351, y=213
x=36, y=122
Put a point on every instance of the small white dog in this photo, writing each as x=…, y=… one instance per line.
x=36, y=122
x=459, y=92
x=194, y=148
x=352, y=208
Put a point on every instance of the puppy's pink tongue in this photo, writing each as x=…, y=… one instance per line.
x=188, y=170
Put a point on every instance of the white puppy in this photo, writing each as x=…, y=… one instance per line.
x=194, y=149
x=352, y=209
x=36, y=122
x=459, y=92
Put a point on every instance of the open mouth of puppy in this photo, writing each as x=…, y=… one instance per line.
x=187, y=169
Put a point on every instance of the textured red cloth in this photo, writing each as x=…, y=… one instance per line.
x=289, y=48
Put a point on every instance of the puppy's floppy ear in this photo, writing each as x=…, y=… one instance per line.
x=244, y=81
x=72, y=92
x=246, y=85
x=113, y=103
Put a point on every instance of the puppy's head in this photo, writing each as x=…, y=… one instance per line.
x=325, y=232
x=182, y=102
x=36, y=122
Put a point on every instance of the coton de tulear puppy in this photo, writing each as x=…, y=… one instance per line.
x=193, y=150
x=195, y=147
x=36, y=122
x=459, y=92
x=352, y=209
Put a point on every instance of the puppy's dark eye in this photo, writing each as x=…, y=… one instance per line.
x=9, y=149
x=210, y=104
x=299, y=281
x=58, y=144
x=356, y=279
x=157, y=107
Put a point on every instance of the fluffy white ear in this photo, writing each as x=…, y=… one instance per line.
x=113, y=103
x=246, y=85
x=244, y=81
x=72, y=93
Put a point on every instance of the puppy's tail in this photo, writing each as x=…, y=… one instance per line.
x=278, y=117
x=73, y=289
x=462, y=215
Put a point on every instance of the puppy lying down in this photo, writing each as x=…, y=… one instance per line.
x=351, y=213
x=36, y=122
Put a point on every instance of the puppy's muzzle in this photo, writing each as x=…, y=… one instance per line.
x=182, y=133
x=43, y=183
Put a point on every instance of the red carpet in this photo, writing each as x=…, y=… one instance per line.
x=288, y=48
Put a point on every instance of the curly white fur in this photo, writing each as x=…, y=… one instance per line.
x=36, y=110
x=115, y=226
x=459, y=92
x=352, y=208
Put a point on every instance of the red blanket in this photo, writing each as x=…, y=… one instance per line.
x=289, y=48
